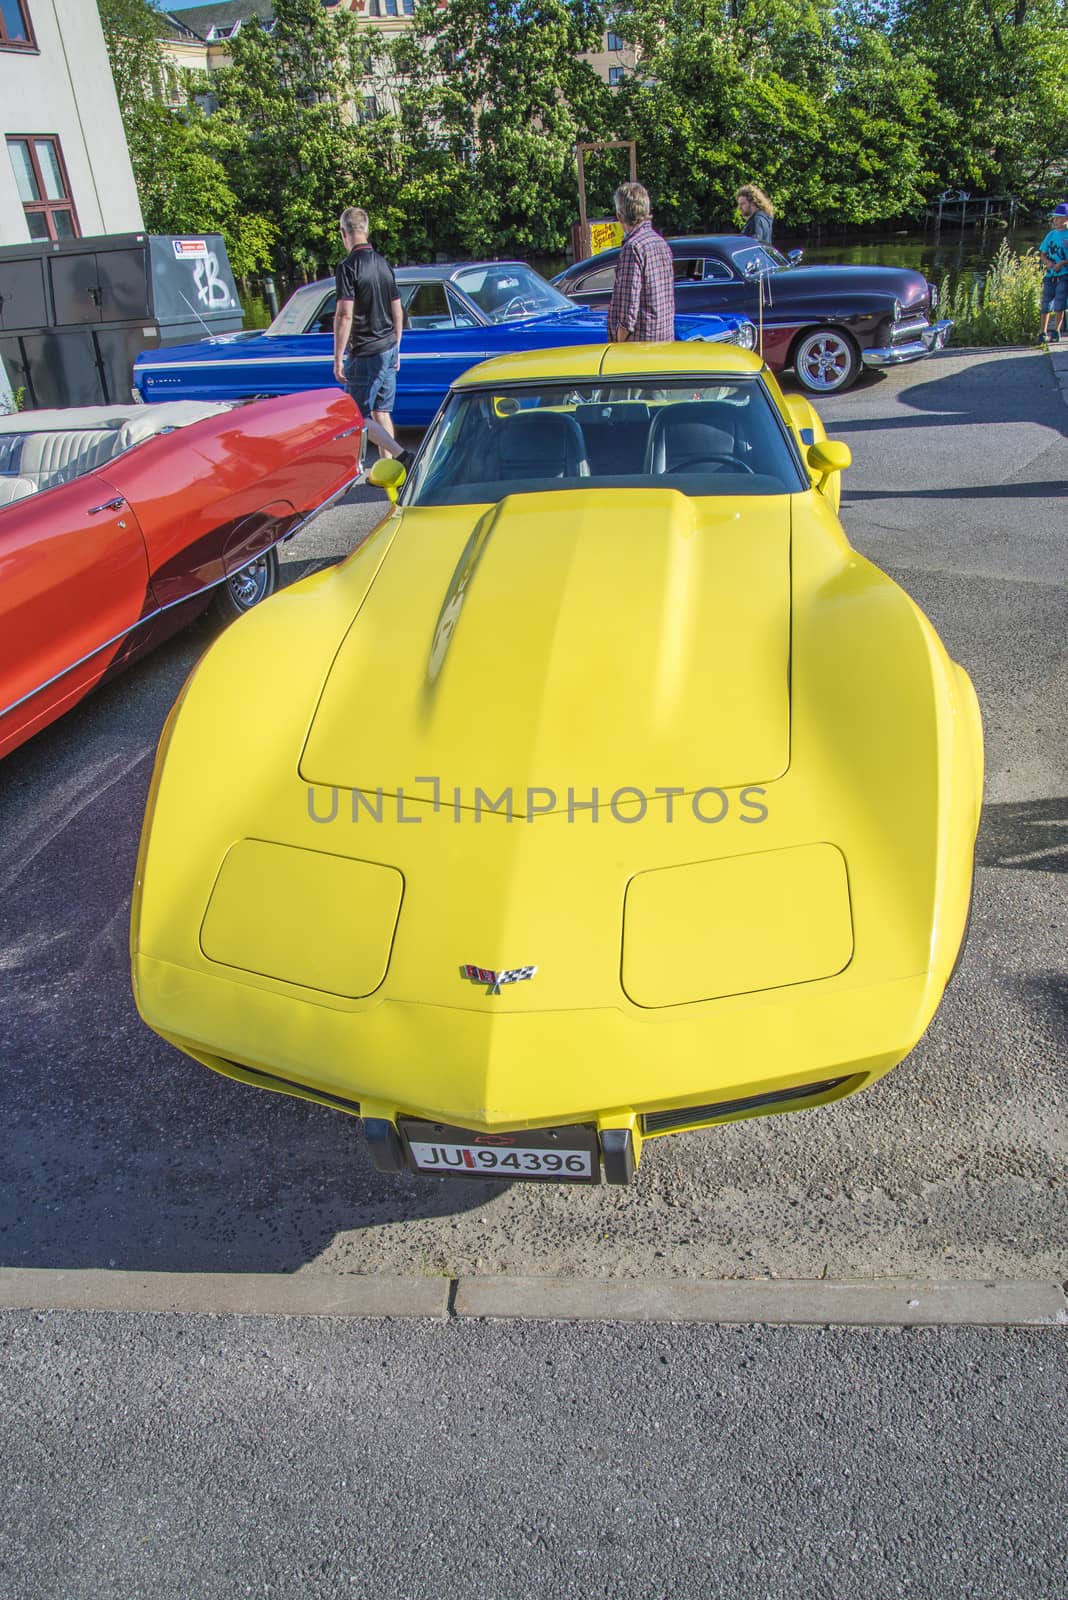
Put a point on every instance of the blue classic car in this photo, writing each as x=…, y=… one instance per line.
x=825, y=322
x=454, y=316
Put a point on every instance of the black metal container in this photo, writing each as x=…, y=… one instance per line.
x=73, y=315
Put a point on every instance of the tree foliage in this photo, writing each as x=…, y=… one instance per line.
x=133, y=30
x=806, y=99
x=1000, y=74
x=499, y=89
x=844, y=111
x=285, y=124
x=182, y=186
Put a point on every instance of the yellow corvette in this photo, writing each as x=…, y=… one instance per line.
x=604, y=792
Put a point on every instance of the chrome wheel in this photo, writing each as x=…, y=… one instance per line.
x=247, y=588
x=826, y=361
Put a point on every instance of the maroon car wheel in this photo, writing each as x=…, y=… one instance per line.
x=826, y=361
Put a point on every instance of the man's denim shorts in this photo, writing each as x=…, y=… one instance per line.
x=1055, y=292
x=372, y=380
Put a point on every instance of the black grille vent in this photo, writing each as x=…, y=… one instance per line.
x=686, y=1116
x=288, y=1083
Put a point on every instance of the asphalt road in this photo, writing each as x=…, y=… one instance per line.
x=203, y=1458
x=120, y=1152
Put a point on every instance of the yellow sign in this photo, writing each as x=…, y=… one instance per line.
x=605, y=236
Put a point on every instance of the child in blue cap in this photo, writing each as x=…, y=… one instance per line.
x=1054, y=252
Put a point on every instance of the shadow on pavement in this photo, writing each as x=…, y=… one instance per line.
x=1048, y=490
x=1015, y=387
x=118, y=1150
x=1032, y=834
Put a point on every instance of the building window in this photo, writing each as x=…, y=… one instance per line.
x=374, y=8
x=370, y=107
x=615, y=77
x=614, y=42
x=43, y=187
x=409, y=8
x=15, y=30
x=391, y=8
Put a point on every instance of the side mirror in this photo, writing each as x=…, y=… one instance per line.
x=795, y=257
x=388, y=474
x=827, y=457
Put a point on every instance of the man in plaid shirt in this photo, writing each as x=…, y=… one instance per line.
x=643, y=297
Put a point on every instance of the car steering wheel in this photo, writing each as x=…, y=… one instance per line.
x=516, y=304
x=717, y=463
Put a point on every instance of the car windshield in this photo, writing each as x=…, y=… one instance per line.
x=301, y=307
x=507, y=289
x=696, y=435
x=753, y=258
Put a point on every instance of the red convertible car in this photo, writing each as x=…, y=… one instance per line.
x=119, y=524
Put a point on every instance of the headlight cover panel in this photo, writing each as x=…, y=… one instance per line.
x=736, y=925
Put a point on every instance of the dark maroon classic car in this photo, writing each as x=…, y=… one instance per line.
x=824, y=322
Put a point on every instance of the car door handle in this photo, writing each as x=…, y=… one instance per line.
x=348, y=432
x=109, y=505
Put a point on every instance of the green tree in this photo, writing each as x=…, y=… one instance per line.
x=998, y=68
x=804, y=97
x=133, y=30
x=875, y=163
x=286, y=126
x=494, y=95
x=182, y=187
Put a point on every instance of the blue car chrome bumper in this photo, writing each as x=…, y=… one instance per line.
x=745, y=335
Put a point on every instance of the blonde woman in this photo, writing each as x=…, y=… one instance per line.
x=757, y=210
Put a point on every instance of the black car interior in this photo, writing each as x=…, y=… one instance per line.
x=699, y=447
x=702, y=436
x=538, y=444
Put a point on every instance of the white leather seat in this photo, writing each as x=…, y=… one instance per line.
x=12, y=489
x=51, y=458
x=171, y=414
x=52, y=447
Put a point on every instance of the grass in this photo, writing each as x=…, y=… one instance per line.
x=1001, y=307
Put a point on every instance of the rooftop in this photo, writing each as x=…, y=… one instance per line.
x=219, y=20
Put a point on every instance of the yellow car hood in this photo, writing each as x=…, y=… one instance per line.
x=569, y=641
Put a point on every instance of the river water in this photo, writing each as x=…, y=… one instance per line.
x=932, y=252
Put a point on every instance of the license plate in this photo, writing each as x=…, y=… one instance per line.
x=551, y=1155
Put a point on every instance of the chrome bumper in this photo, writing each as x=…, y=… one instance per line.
x=933, y=337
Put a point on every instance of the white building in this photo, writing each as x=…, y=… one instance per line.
x=66, y=172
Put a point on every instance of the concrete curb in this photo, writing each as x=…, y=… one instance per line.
x=900, y=1302
x=262, y=1294
x=1059, y=358
x=876, y=1303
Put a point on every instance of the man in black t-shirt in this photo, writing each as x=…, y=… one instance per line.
x=368, y=323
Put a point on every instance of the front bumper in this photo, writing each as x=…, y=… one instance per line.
x=931, y=337
x=745, y=336
x=633, y=1072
